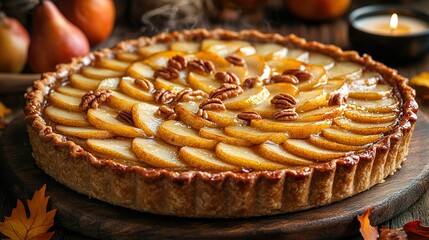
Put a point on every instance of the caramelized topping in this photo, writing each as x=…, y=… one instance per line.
x=227, y=77
x=200, y=66
x=227, y=90
x=94, y=99
x=284, y=101
x=286, y=115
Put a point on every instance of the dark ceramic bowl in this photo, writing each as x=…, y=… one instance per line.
x=389, y=49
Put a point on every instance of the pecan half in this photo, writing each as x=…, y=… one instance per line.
x=188, y=94
x=287, y=78
x=252, y=82
x=144, y=84
x=235, y=60
x=125, y=117
x=302, y=75
x=337, y=99
x=226, y=91
x=202, y=113
x=286, y=115
x=165, y=112
x=178, y=62
x=249, y=115
x=212, y=104
x=164, y=96
x=94, y=99
x=167, y=73
x=204, y=67
x=283, y=101
x=227, y=77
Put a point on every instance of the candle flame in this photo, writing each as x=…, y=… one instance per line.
x=394, y=22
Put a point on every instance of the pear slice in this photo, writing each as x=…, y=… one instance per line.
x=257, y=66
x=318, y=77
x=156, y=153
x=100, y=73
x=202, y=82
x=113, y=64
x=185, y=47
x=246, y=51
x=368, y=78
x=223, y=48
x=322, y=142
x=187, y=114
x=128, y=57
x=248, y=98
x=265, y=109
x=214, y=57
x=144, y=117
x=240, y=71
x=321, y=113
x=294, y=129
x=65, y=101
x=65, y=117
x=225, y=118
x=323, y=60
x=335, y=85
x=146, y=51
x=128, y=86
x=114, y=148
x=81, y=82
x=306, y=101
x=121, y=101
x=140, y=70
x=385, y=105
x=368, y=117
x=71, y=91
x=376, y=92
x=177, y=133
x=254, y=135
x=83, y=132
x=109, y=84
x=345, y=70
x=104, y=119
x=278, y=88
x=281, y=65
x=168, y=85
x=245, y=157
x=271, y=51
x=304, y=149
x=363, y=128
x=160, y=60
x=348, y=138
x=220, y=136
x=204, y=159
x=297, y=54
x=277, y=153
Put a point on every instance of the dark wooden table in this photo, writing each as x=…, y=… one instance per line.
x=278, y=20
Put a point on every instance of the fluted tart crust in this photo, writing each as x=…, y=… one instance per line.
x=232, y=190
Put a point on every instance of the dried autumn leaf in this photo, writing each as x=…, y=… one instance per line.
x=392, y=234
x=19, y=226
x=367, y=231
x=416, y=231
x=3, y=110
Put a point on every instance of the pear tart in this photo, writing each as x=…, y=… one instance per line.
x=221, y=124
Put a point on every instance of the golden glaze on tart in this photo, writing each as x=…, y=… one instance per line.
x=221, y=124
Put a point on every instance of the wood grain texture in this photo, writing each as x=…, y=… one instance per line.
x=101, y=220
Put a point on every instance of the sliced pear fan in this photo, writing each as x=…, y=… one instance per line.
x=304, y=149
x=156, y=153
x=100, y=73
x=113, y=148
x=203, y=159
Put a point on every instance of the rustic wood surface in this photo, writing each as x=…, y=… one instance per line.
x=278, y=20
x=100, y=220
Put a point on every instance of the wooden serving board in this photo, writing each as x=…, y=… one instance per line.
x=97, y=219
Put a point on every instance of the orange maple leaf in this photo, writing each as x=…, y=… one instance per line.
x=367, y=231
x=21, y=227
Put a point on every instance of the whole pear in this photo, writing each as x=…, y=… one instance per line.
x=95, y=18
x=54, y=39
x=14, y=41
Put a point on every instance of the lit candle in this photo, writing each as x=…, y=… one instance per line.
x=391, y=25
